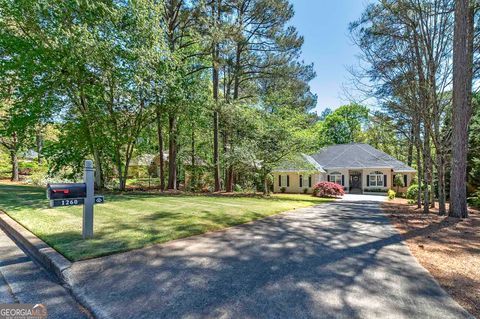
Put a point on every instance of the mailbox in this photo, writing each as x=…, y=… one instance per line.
x=62, y=191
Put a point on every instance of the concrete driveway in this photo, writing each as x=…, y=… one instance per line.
x=338, y=260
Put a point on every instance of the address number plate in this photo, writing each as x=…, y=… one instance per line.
x=74, y=201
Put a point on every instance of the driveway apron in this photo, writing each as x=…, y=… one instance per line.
x=337, y=260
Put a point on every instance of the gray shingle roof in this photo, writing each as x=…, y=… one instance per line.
x=297, y=163
x=357, y=155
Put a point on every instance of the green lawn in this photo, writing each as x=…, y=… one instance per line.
x=125, y=222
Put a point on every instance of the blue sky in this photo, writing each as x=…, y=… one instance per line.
x=324, y=25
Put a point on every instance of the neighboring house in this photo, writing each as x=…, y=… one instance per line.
x=357, y=167
x=139, y=166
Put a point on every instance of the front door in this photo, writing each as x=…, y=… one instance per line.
x=355, y=182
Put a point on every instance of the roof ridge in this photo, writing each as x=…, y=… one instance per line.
x=338, y=154
x=386, y=163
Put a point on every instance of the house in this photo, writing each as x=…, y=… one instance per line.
x=357, y=167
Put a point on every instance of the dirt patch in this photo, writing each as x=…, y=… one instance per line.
x=449, y=248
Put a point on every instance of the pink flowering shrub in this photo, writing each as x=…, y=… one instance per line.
x=328, y=189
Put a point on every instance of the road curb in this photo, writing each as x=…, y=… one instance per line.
x=48, y=257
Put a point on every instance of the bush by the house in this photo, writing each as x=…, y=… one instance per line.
x=398, y=181
x=412, y=191
x=305, y=190
x=391, y=194
x=328, y=189
x=283, y=189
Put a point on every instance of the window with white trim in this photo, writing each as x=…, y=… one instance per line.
x=285, y=181
x=336, y=177
x=375, y=179
x=305, y=181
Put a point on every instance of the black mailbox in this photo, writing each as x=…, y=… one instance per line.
x=62, y=191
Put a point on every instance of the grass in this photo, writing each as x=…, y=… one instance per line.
x=129, y=221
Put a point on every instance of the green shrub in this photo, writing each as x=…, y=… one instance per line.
x=237, y=188
x=283, y=189
x=305, y=190
x=38, y=179
x=398, y=181
x=475, y=200
x=391, y=194
x=412, y=191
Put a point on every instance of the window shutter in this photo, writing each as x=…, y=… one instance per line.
x=368, y=180
x=343, y=180
x=301, y=177
x=385, y=180
x=279, y=180
x=309, y=180
x=328, y=178
x=405, y=180
x=288, y=180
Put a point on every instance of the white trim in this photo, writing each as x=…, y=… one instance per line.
x=376, y=176
x=335, y=174
x=284, y=181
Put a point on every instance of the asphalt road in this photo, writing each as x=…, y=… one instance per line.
x=339, y=260
x=24, y=281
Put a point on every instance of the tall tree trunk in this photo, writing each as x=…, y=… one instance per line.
x=161, y=163
x=121, y=181
x=215, y=82
x=462, y=105
x=426, y=171
x=236, y=87
x=419, y=166
x=14, y=162
x=432, y=182
x=229, y=186
x=216, y=159
x=410, y=148
x=193, y=180
x=172, y=152
x=39, y=142
x=266, y=190
x=441, y=183
x=99, y=178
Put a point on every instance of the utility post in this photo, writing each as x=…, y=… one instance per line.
x=88, y=179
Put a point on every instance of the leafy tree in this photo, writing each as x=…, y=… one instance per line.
x=398, y=181
x=474, y=146
x=344, y=125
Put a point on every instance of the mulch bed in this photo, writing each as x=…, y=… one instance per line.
x=449, y=248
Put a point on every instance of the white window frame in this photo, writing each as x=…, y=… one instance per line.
x=284, y=180
x=305, y=181
x=375, y=179
x=335, y=177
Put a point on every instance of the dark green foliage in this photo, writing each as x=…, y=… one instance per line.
x=344, y=125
